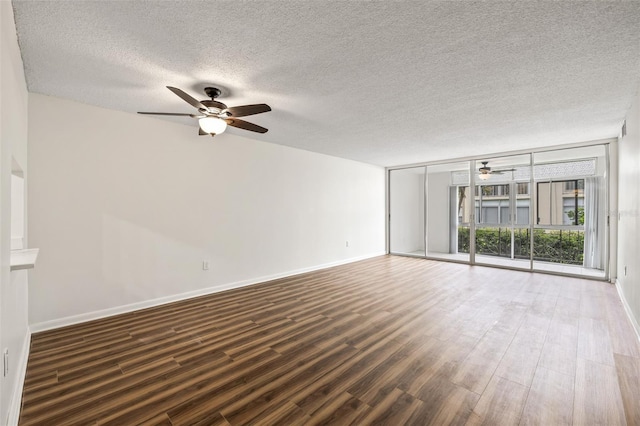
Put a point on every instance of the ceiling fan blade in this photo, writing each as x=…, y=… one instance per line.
x=241, y=124
x=168, y=113
x=187, y=98
x=245, y=110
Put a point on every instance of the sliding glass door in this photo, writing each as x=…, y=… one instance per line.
x=570, y=231
x=502, y=204
x=543, y=211
x=448, y=211
x=406, y=211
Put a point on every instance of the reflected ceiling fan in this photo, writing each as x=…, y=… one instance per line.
x=213, y=116
x=485, y=171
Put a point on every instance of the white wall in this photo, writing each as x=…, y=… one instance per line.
x=406, y=192
x=125, y=208
x=17, y=211
x=629, y=212
x=14, y=331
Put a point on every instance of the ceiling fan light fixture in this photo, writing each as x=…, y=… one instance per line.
x=212, y=125
x=484, y=176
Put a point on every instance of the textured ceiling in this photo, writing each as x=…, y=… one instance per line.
x=386, y=83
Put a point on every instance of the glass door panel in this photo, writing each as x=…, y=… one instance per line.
x=502, y=203
x=571, y=205
x=449, y=207
x=406, y=210
x=545, y=211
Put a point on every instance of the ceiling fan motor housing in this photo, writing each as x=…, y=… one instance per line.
x=214, y=104
x=213, y=93
x=485, y=168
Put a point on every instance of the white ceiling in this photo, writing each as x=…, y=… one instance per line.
x=386, y=83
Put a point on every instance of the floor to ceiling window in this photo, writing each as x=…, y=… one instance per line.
x=543, y=211
x=502, y=211
x=447, y=191
x=570, y=229
x=406, y=211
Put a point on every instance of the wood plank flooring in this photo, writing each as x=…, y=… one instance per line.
x=390, y=340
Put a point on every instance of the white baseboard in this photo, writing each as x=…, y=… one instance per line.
x=103, y=313
x=15, y=403
x=627, y=308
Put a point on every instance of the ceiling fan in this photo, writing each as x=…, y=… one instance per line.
x=213, y=116
x=485, y=171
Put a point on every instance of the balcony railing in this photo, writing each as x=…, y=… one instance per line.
x=550, y=245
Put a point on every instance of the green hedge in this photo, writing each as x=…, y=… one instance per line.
x=549, y=245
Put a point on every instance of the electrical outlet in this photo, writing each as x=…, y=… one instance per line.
x=205, y=265
x=347, y=244
x=625, y=271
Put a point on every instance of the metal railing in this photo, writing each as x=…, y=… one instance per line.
x=549, y=245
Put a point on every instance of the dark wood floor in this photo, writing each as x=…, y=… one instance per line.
x=389, y=340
